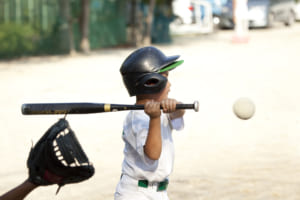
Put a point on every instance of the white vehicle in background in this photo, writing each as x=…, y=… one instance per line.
x=183, y=11
x=192, y=16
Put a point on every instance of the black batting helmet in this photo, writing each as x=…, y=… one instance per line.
x=144, y=66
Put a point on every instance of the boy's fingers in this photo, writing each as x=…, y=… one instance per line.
x=152, y=105
x=164, y=106
x=169, y=105
x=156, y=105
x=173, y=102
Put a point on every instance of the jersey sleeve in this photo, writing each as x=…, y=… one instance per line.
x=136, y=132
x=177, y=123
x=140, y=128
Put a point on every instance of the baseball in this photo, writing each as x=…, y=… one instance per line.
x=244, y=108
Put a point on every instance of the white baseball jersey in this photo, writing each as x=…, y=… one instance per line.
x=136, y=165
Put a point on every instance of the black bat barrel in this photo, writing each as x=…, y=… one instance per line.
x=62, y=108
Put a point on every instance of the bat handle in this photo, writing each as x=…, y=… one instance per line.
x=194, y=106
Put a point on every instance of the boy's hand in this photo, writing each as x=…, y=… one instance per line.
x=152, y=108
x=168, y=105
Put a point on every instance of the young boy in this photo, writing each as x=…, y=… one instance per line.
x=149, y=150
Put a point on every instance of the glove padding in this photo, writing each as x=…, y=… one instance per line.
x=58, y=158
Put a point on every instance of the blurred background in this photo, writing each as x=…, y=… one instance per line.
x=42, y=27
x=71, y=51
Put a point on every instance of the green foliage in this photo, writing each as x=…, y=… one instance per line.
x=54, y=41
x=17, y=40
x=159, y=2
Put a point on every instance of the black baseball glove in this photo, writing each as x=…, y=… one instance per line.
x=58, y=158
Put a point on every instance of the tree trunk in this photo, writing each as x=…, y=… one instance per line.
x=149, y=20
x=133, y=22
x=136, y=24
x=84, y=26
x=66, y=35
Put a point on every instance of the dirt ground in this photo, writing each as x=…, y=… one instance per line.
x=218, y=156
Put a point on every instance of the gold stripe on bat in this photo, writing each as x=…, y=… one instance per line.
x=106, y=107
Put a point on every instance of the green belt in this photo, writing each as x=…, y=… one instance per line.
x=160, y=187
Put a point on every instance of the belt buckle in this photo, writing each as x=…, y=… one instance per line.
x=143, y=183
x=163, y=185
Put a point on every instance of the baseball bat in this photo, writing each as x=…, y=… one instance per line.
x=86, y=108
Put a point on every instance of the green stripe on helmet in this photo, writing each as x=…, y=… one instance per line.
x=172, y=66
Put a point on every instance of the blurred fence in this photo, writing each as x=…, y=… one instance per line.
x=41, y=14
x=33, y=27
x=37, y=27
x=108, y=23
x=27, y=26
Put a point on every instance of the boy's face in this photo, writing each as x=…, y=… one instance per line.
x=164, y=93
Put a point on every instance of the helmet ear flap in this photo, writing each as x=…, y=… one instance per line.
x=151, y=83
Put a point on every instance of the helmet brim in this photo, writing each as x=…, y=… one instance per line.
x=171, y=66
